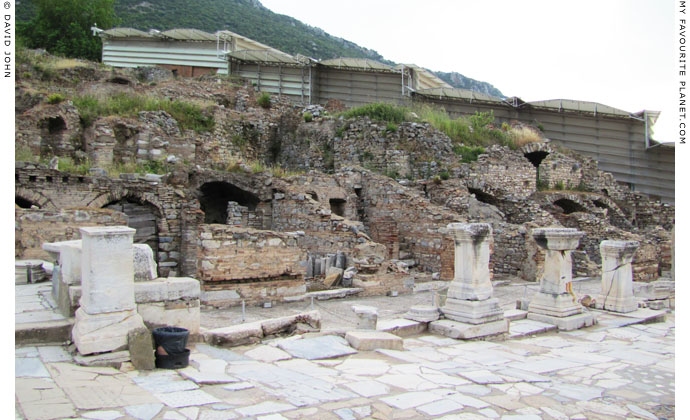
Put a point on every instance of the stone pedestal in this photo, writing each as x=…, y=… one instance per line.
x=367, y=316
x=553, y=303
x=469, y=295
x=616, y=276
x=108, y=311
x=470, y=307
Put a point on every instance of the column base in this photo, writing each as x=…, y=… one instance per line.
x=473, y=311
x=464, y=331
x=567, y=323
x=615, y=304
x=555, y=305
x=422, y=313
x=103, y=332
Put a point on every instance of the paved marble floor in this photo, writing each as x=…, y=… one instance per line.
x=602, y=372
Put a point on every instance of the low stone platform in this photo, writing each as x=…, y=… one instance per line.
x=402, y=327
x=464, y=331
x=372, y=340
x=566, y=323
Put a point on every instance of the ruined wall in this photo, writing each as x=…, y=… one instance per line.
x=49, y=130
x=52, y=190
x=228, y=253
x=33, y=228
x=557, y=170
x=153, y=135
x=502, y=173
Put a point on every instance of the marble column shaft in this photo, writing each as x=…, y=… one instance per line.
x=616, y=276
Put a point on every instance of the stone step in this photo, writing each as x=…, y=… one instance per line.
x=333, y=294
x=515, y=314
x=46, y=332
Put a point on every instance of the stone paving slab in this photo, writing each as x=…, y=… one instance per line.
x=318, y=348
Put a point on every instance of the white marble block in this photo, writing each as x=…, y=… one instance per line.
x=107, y=269
x=145, y=267
x=98, y=333
x=617, y=276
x=367, y=316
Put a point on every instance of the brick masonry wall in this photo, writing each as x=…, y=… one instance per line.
x=33, y=228
x=228, y=253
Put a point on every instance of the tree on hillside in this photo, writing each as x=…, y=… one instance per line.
x=63, y=27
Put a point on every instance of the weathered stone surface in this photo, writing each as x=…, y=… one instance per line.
x=423, y=313
x=140, y=346
x=471, y=280
x=367, y=316
x=237, y=335
x=401, y=327
x=372, y=340
x=111, y=359
x=464, y=331
x=107, y=269
x=300, y=323
x=568, y=323
x=324, y=347
x=103, y=332
x=333, y=276
x=616, y=276
x=145, y=267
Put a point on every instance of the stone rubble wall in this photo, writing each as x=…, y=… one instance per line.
x=33, y=130
x=34, y=227
x=559, y=170
x=53, y=189
x=228, y=253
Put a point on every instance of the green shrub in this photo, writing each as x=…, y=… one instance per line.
x=66, y=164
x=541, y=185
x=307, y=116
x=436, y=180
x=379, y=112
x=55, y=98
x=559, y=186
x=444, y=175
x=468, y=153
x=391, y=127
x=392, y=173
x=264, y=100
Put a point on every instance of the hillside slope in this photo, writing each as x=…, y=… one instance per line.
x=251, y=19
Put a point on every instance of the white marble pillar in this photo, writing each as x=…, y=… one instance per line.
x=553, y=298
x=553, y=303
x=470, y=293
x=617, y=276
x=108, y=310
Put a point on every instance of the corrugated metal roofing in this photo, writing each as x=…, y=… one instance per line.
x=125, y=33
x=188, y=35
x=356, y=63
x=424, y=79
x=580, y=106
x=265, y=56
x=455, y=93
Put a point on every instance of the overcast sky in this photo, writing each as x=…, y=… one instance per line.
x=618, y=53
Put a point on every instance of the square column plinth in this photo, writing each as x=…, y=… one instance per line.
x=616, y=276
x=470, y=303
x=107, y=269
x=553, y=303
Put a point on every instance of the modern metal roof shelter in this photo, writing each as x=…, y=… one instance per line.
x=620, y=141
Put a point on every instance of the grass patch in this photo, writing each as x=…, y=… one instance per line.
x=66, y=164
x=379, y=112
x=188, y=115
x=524, y=135
x=24, y=154
x=468, y=154
x=307, y=116
x=55, y=98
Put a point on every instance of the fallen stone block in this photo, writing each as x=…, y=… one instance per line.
x=401, y=327
x=113, y=360
x=366, y=316
x=334, y=294
x=333, y=276
x=300, y=323
x=236, y=335
x=464, y=331
x=145, y=267
x=372, y=340
x=423, y=313
x=140, y=345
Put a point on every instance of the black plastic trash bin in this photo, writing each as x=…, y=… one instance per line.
x=173, y=340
